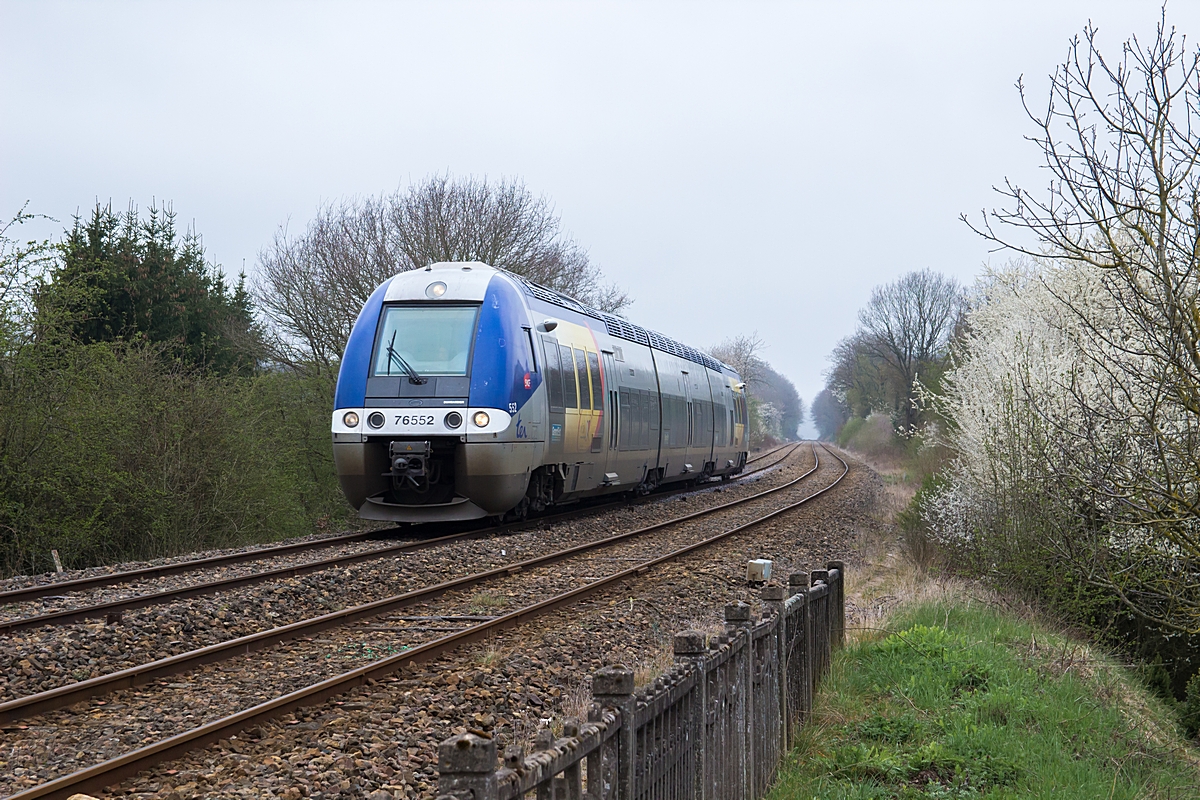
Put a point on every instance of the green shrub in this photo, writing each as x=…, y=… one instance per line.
x=919, y=546
x=846, y=434
x=1190, y=710
x=110, y=452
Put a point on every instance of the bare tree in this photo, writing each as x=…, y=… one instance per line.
x=742, y=353
x=312, y=286
x=907, y=324
x=858, y=379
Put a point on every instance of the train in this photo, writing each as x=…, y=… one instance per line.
x=467, y=391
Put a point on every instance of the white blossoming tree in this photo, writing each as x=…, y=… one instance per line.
x=1075, y=401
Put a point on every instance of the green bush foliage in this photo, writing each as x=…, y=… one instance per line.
x=850, y=430
x=1190, y=712
x=112, y=453
x=919, y=545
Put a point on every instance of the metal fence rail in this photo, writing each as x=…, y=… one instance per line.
x=712, y=728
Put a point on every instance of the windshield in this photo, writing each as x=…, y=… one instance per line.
x=433, y=340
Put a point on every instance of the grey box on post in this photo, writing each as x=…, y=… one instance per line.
x=758, y=570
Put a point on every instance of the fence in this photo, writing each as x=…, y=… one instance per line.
x=713, y=728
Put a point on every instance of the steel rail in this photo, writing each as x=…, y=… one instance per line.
x=69, y=615
x=30, y=705
x=127, y=576
x=108, y=772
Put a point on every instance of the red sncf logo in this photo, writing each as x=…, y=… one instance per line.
x=528, y=381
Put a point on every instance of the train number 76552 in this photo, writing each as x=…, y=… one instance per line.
x=415, y=419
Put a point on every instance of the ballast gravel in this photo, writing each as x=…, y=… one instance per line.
x=381, y=742
x=106, y=727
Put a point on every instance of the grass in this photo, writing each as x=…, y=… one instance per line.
x=966, y=700
x=485, y=603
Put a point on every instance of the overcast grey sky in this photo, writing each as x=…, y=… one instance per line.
x=737, y=167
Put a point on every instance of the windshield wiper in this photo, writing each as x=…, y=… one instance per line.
x=393, y=356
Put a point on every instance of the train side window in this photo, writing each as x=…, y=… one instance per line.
x=570, y=393
x=627, y=420
x=678, y=422
x=585, y=396
x=594, y=373
x=554, y=381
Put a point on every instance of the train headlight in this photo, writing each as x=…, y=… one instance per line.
x=453, y=420
x=375, y=420
x=435, y=290
x=481, y=419
x=350, y=418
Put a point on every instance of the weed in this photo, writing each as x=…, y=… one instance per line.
x=492, y=655
x=484, y=603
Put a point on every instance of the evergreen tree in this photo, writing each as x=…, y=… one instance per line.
x=124, y=278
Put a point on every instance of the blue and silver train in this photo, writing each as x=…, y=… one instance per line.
x=467, y=391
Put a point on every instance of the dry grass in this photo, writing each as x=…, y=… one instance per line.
x=493, y=655
x=654, y=663
x=485, y=603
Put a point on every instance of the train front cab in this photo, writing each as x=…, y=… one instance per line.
x=436, y=417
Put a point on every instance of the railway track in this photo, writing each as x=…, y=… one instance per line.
x=129, y=763
x=54, y=657
x=112, y=609
x=41, y=702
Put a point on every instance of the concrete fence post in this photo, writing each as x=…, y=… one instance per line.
x=838, y=607
x=467, y=768
x=800, y=651
x=613, y=687
x=821, y=631
x=690, y=648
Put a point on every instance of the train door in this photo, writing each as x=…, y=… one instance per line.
x=685, y=379
x=611, y=429
x=556, y=422
x=707, y=407
x=596, y=444
x=583, y=441
x=571, y=400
